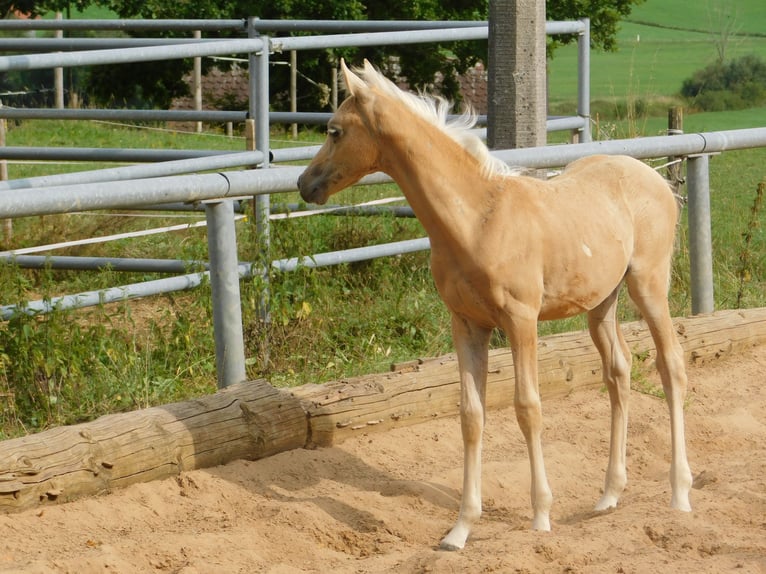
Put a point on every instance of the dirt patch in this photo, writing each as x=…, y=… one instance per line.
x=381, y=502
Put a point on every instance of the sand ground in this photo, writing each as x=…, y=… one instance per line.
x=381, y=502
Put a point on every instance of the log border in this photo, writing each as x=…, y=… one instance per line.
x=253, y=420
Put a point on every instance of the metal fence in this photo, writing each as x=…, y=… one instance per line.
x=171, y=181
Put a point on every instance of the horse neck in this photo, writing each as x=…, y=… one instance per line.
x=440, y=179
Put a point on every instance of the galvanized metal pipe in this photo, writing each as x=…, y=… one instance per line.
x=224, y=282
x=260, y=25
x=654, y=146
x=700, y=234
x=122, y=115
x=360, y=25
x=353, y=255
x=265, y=25
x=124, y=24
x=103, y=296
x=160, y=169
x=583, y=80
x=259, y=110
x=138, y=192
x=378, y=38
x=27, y=45
x=123, y=264
x=129, y=55
x=192, y=280
x=86, y=154
x=197, y=187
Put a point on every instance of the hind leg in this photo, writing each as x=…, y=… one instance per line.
x=616, y=360
x=649, y=291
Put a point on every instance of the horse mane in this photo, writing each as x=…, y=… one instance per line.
x=435, y=110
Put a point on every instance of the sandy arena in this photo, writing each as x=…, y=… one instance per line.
x=381, y=502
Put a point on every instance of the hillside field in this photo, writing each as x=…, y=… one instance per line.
x=659, y=45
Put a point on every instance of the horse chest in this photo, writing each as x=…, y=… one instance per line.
x=468, y=293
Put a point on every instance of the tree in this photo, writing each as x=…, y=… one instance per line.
x=605, y=16
x=34, y=8
x=723, y=20
x=157, y=86
x=734, y=85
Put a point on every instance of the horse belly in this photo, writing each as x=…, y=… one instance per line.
x=583, y=277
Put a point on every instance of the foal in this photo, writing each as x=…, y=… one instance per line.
x=508, y=251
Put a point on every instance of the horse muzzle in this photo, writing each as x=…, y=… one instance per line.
x=312, y=189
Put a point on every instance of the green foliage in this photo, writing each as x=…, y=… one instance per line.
x=66, y=367
x=161, y=82
x=734, y=85
x=157, y=84
x=748, y=258
x=605, y=17
x=326, y=323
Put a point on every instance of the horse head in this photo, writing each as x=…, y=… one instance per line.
x=350, y=151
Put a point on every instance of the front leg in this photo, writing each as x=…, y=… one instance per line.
x=471, y=345
x=522, y=333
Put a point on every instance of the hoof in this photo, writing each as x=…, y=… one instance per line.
x=541, y=522
x=455, y=540
x=449, y=547
x=682, y=505
x=606, y=503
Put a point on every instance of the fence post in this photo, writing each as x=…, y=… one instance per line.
x=294, y=90
x=516, y=74
x=583, y=81
x=6, y=223
x=675, y=164
x=224, y=282
x=259, y=111
x=58, y=73
x=197, y=82
x=700, y=235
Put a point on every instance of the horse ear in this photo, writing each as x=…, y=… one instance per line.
x=354, y=84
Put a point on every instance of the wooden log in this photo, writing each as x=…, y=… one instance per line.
x=253, y=420
x=427, y=389
x=249, y=420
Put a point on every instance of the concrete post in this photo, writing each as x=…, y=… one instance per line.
x=516, y=105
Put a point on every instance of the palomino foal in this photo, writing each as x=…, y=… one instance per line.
x=508, y=251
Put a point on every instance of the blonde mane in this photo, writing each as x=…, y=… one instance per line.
x=435, y=109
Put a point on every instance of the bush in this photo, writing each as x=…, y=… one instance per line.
x=736, y=85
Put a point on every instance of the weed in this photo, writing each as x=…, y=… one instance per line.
x=746, y=256
x=639, y=381
x=325, y=324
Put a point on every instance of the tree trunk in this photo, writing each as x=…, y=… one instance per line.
x=422, y=390
x=248, y=420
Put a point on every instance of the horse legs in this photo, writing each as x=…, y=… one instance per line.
x=616, y=359
x=471, y=345
x=522, y=333
x=649, y=292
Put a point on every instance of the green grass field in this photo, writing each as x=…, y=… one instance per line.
x=653, y=59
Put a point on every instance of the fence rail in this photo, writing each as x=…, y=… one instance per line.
x=132, y=187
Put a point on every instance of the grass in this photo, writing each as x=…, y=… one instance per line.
x=328, y=323
x=652, y=60
x=708, y=16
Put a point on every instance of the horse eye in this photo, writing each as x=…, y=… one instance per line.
x=333, y=132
